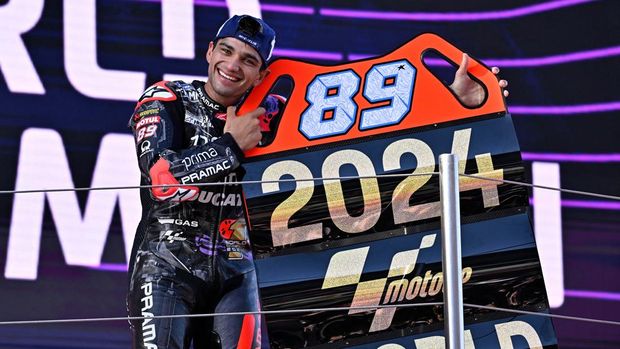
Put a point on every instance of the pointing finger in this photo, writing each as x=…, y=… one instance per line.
x=256, y=113
x=231, y=112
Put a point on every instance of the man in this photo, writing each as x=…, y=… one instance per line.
x=191, y=252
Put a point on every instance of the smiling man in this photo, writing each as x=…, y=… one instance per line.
x=191, y=252
x=227, y=81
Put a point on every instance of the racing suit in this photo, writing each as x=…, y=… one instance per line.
x=191, y=253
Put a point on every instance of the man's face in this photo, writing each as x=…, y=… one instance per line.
x=234, y=67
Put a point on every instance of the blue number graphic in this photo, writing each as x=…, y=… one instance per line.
x=332, y=110
x=392, y=82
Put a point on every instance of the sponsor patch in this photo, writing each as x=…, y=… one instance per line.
x=232, y=229
x=148, y=112
x=207, y=172
x=158, y=91
x=221, y=116
x=147, y=121
x=148, y=328
x=145, y=147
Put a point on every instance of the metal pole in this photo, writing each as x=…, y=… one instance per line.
x=451, y=251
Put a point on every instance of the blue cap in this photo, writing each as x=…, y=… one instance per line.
x=253, y=31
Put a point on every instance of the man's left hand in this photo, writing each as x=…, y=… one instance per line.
x=469, y=91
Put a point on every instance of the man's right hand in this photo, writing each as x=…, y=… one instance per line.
x=245, y=129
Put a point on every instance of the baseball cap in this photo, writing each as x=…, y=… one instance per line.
x=253, y=31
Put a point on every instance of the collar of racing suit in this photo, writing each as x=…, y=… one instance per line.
x=208, y=102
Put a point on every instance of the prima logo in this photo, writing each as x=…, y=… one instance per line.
x=198, y=158
x=345, y=268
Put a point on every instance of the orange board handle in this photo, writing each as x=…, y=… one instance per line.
x=476, y=68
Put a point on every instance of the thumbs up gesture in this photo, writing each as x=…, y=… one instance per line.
x=469, y=91
x=245, y=129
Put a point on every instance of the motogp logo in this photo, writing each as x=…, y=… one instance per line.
x=345, y=268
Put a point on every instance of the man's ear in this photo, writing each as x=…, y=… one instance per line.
x=209, y=52
x=261, y=76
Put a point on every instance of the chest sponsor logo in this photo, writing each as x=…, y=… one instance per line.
x=199, y=158
x=219, y=199
x=207, y=172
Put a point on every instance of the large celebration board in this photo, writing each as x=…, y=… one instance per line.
x=345, y=208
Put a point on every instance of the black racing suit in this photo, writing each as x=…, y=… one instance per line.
x=191, y=253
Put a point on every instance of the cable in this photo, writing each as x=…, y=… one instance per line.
x=525, y=312
x=264, y=312
x=563, y=190
x=29, y=191
x=311, y=310
x=571, y=191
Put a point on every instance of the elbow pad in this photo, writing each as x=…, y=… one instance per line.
x=160, y=175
